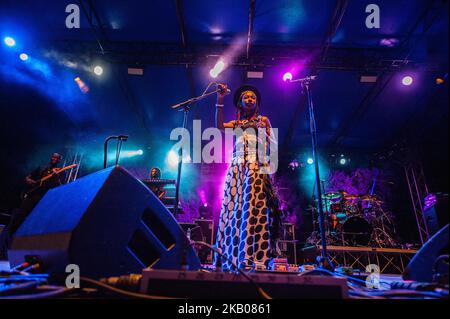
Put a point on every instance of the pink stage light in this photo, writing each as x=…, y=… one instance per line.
x=407, y=80
x=287, y=76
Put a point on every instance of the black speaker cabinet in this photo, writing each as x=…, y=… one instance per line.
x=420, y=268
x=108, y=223
x=436, y=212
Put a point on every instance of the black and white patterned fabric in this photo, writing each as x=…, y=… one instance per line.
x=249, y=218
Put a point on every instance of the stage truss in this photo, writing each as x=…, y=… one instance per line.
x=389, y=260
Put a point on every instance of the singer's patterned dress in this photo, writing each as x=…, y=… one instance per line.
x=249, y=221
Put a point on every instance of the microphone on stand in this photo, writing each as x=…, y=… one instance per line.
x=305, y=79
x=123, y=137
x=222, y=88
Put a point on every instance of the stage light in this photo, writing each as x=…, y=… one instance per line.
x=172, y=159
x=23, y=56
x=217, y=69
x=9, y=41
x=83, y=87
x=441, y=80
x=255, y=74
x=128, y=154
x=294, y=165
x=98, y=70
x=342, y=161
x=136, y=71
x=287, y=76
x=309, y=161
x=407, y=80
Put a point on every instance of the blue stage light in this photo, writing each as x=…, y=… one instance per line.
x=9, y=41
x=309, y=161
x=342, y=161
x=172, y=159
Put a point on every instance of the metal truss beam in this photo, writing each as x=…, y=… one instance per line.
x=391, y=261
x=418, y=190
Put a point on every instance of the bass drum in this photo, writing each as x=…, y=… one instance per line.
x=357, y=231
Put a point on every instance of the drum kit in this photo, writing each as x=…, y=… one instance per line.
x=356, y=220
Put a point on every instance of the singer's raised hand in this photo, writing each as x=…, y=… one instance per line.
x=223, y=89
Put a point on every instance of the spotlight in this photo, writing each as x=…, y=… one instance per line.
x=23, y=56
x=9, y=41
x=342, y=161
x=310, y=161
x=205, y=211
x=255, y=74
x=287, y=77
x=441, y=80
x=135, y=71
x=83, y=87
x=172, y=159
x=98, y=70
x=217, y=69
x=407, y=80
x=293, y=165
x=132, y=153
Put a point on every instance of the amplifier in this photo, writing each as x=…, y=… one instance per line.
x=201, y=230
x=213, y=285
x=288, y=244
x=207, y=227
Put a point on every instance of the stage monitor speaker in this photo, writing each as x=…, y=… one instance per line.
x=435, y=212
x=108, y=223
x=420, y=268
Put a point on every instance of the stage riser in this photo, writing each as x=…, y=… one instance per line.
x=389, y=261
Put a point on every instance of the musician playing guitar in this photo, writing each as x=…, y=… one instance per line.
x=38, y=182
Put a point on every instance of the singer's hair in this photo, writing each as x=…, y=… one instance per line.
x=158, y=171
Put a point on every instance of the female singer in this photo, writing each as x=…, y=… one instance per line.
x=250, y=219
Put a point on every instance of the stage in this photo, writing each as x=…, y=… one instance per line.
x=224, y=150
x=216, y=285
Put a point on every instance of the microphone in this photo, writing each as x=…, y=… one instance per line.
x=122, y=137
x=305, y=79
x=222, y=89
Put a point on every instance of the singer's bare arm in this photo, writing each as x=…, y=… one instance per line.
x=220, y=124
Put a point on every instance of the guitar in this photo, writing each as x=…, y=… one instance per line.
x=55, y=171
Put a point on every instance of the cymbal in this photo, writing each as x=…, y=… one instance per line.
x=332, y=195
x=370, y=197
x=350, y=197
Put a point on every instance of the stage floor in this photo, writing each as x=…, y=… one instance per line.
x=385, y=278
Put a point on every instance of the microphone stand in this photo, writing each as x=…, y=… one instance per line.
x=324, y=261
x=120, y=138
x=185, y=107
